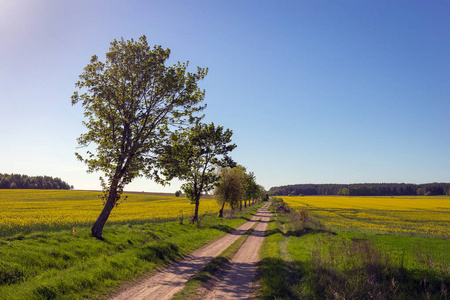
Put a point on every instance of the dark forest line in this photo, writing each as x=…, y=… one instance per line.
x=363, y=189
x=18, y=181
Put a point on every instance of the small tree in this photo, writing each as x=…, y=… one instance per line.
x=230, y=188
x=132, y=102
x=193, y=156
x=263, y=194
x=251, y=188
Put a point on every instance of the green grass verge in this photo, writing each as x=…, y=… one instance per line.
x=208, y=273
x=73, y=265
x=273, y=268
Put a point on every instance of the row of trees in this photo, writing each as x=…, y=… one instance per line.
x=364, y=189
x=237, y=188
x=18, y=181
x=141, y=117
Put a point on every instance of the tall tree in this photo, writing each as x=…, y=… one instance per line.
x=193, y=156
x=132, y=101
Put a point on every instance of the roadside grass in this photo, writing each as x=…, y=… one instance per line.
x=312, y=262
x=273, y=269
x=209, y=272
x=70, y=264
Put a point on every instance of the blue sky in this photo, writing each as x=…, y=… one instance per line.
x=314, y=91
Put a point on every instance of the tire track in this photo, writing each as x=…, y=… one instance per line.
x=237, y=283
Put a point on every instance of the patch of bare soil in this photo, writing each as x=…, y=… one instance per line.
x=171, y=280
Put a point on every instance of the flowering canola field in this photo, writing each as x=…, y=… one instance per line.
x=25, y=210
x=405, y=215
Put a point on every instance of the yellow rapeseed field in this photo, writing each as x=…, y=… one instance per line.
x=40, y=209
x=406, y=215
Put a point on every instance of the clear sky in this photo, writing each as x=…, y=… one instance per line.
x=314, y=91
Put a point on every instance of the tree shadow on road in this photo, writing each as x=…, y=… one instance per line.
x=224, y=228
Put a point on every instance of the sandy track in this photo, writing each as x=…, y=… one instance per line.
x=171, y=280
x=237, y=282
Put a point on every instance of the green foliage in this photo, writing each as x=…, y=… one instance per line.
x=131, y=103
x=250, y=186
x=193, y=156
x=363, y=189
x=18, y=181
x=230, y=189
x=344, y=192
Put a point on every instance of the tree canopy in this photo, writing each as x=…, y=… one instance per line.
x=230, y=189
x=18, y=181
x=132, y=102
x=363, y=189
x=194, y=155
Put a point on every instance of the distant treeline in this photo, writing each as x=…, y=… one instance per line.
x=17, y=181
x=363, y=189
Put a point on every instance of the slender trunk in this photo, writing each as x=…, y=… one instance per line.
x=197, y=204
x=245, y=203
x=97, y=228
x=221, y=210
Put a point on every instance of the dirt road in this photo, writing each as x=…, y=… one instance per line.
x=237, y=282
x=171, y=280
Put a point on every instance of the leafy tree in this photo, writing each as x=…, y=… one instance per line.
x=132, y=102
x=263, y=194
x=344, y=192
x=31, y=182
x=251, y=188
x=230, y=188
x=193, y=156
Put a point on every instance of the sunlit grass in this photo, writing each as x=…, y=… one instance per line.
x=399, y=215
x=29, y=210
x=307, y=260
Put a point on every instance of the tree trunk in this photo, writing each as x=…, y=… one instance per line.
x=197, y=204
x=97, y=229
x=245, y=203
x=221, y=210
